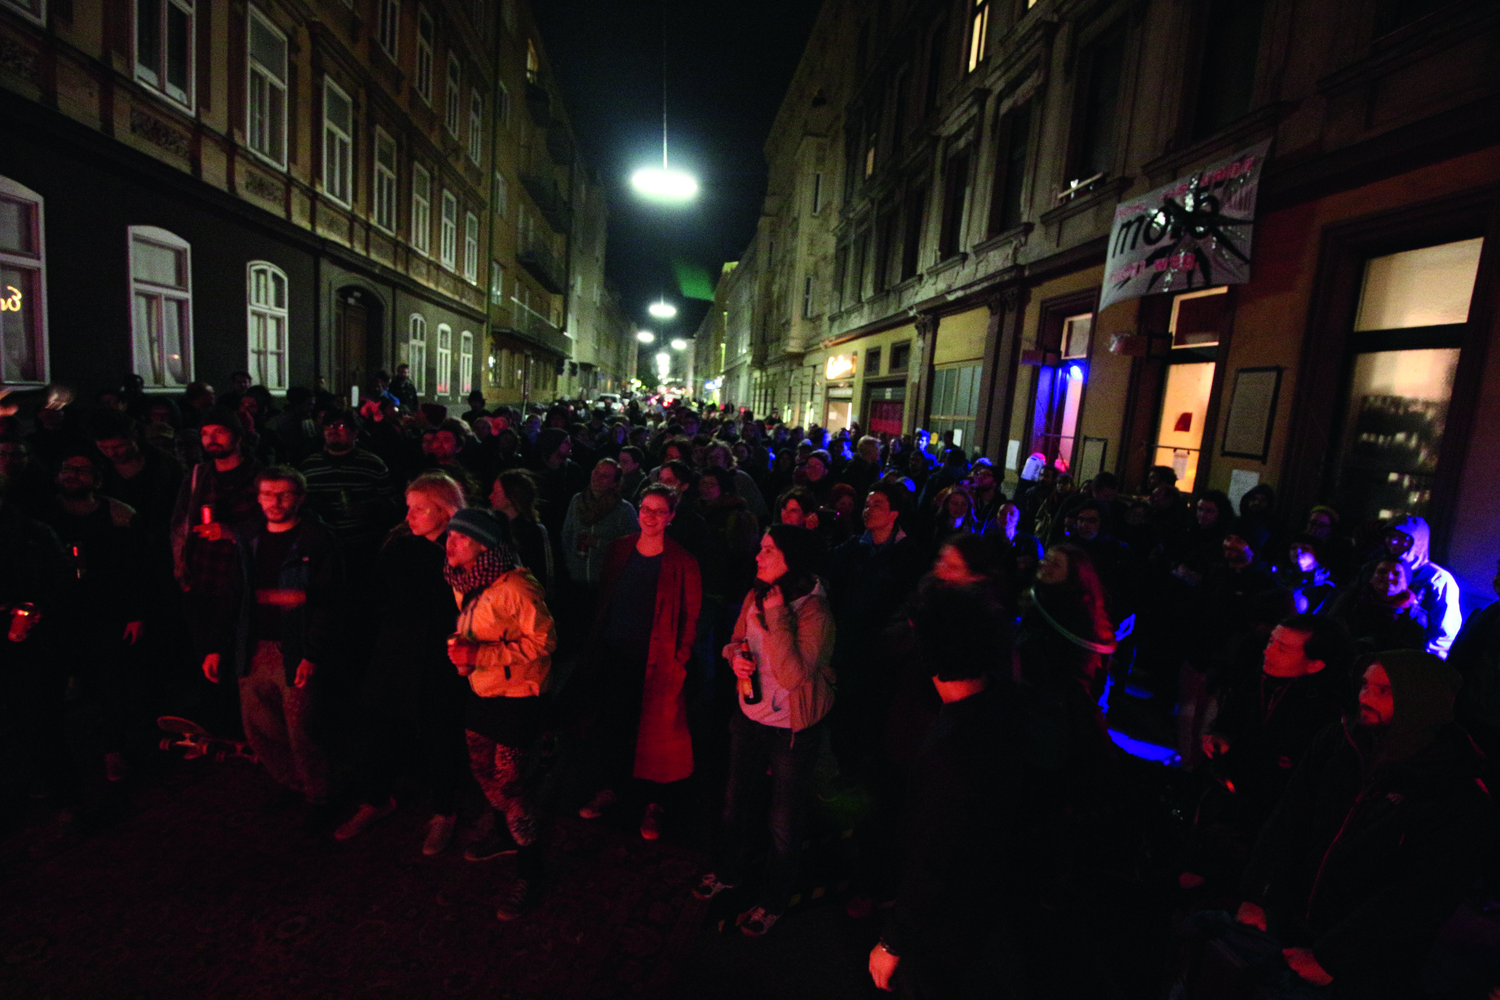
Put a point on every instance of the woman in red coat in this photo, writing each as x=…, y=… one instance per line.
x=639, y=652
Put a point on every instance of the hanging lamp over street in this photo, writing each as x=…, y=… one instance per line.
x=662, y=309
x=664, y=185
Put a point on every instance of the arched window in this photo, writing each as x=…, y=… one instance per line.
x=267, y=325
x=465, y=362
x=416, y=351
x=23, y=286
x=161, y=292
x=444, y=360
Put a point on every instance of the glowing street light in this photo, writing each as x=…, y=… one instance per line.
x=665, y=185
x=662, y=309
x=663, y=364
x=678, y=344
x=645, y=336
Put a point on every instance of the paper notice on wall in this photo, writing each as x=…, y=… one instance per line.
x=1179, y=463
x=1241, y=481
x=1012, y=454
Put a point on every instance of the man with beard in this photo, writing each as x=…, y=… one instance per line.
x=1380, y=833
x=106, y=595
x=145, y=479
x=216, y=502
x=350, y=489
x=286, y=636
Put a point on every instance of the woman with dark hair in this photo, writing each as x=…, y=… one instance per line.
x=1061, y=646
x=1213, y=515
x=637, y=661
x=954, y=513
x=513, y=497
x=1382, y=612
x=782, y=655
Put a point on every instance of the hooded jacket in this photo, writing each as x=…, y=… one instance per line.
x=793, y=643
x=1434, y=586
x=1379, y=834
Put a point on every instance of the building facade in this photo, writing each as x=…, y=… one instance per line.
x=944, y=179
x=306, y=190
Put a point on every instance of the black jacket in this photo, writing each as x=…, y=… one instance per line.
x=1365, y=867
x=409, y=666
x=309, y=631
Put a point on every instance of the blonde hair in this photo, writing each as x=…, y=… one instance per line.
x=440, y=489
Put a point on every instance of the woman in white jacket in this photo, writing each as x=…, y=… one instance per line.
x=782, y=652
x=503, y=644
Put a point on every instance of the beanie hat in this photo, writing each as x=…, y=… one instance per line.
x=222, y=416
x=480, y=525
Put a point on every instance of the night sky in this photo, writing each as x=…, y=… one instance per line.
x=728, y=66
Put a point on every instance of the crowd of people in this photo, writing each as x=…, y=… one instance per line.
x=848, y=610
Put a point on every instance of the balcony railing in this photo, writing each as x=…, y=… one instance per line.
x=549, y=198
x=537, y=257
x=539, y=102
x=522, y=321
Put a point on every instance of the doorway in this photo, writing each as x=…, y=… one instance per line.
x=358, y=347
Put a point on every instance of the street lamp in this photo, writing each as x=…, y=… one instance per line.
x=664, y=184
x=662, y=309
x=678, y=344
x=645, y=336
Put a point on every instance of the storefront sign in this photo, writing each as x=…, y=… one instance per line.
x=11, y=300
x=1192, y=233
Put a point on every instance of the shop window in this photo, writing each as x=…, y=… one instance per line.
x=267, y=325
x=421, y=210
x=979, y=34
x=385, y=182
x=1184, y=408
x=1064, y=339
x=165, y=32
x=23, y=286
x=1231, y=49
x=162, y=307
x=338, y=144
x=426, y=41
x=266, y=115
x=1013, y=148
x=955, y=403
x=388, y=25
x=471, y=248
x=1408, y=331
x=444, y=363
x=454, y=96
x=448, y=247
x=465, y=362
x=416, y=351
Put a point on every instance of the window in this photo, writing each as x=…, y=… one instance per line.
x=266, y=117
x=448, y=248
x=267, y=325
x=1007, y=208
x=385, y=182
x=817, y=193
x=162, y=307
x=444, y=359
x=387, y=25
x=1075, y=337
x=533, y=64
x=502, y=112
x=1196, y=319
x=338, y=144
x=471, y=248
x=497, y=283
x=465, y=362
x=34, y=9
x=872, y=362
x=23, y=286
x=900, y=356
x=935, y=62
x=955, y=203
x=807, y=297
x=416, y=351
x=911, y=233
x=421, y=209
x=1408, y=332
x=979, y=34
x=164, y=51
x=1231, y=49
x=476, y=127
x=499, y=195
x=426, y=34
x=955, y=403
x=454, y=95
x=1098, y=136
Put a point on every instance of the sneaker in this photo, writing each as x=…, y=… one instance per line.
x=709, y=886
x=651, y=824
x=115, y=768
x=366, y=815
x=514, y=901
x=756, y=922
x=598, y=804
x=493, y=846
x=439, y=834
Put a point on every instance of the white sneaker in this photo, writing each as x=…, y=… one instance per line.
x=439, y=834
x=598, y=804
x=366, y=815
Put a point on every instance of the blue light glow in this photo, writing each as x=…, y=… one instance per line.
x=1075, y=373
x=1144, y=750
